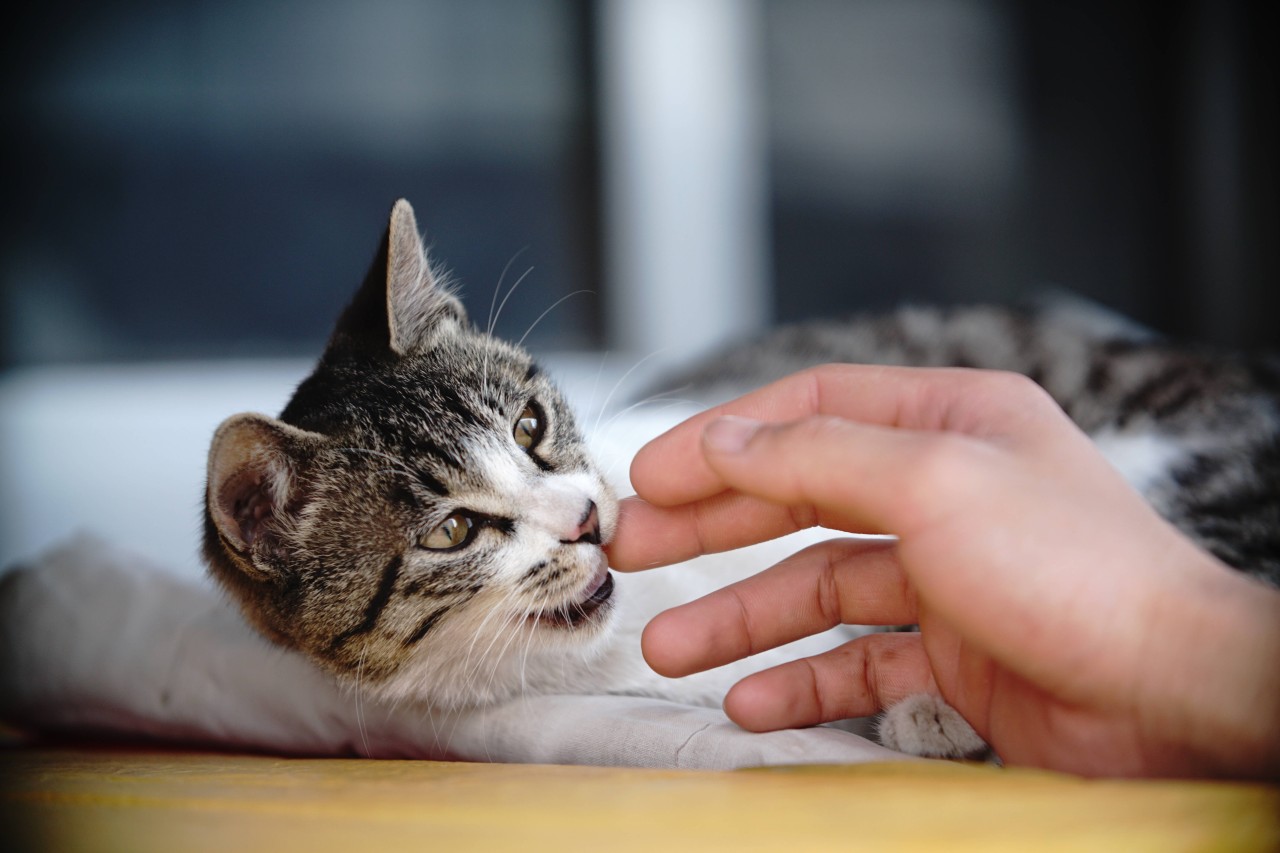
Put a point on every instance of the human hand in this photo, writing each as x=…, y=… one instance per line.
x=1069, y=624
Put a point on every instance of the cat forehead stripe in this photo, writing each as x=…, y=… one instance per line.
x=454, y=402
x=432, y=484
x=428, y=447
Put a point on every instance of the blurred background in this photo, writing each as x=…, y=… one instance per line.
x=209, y=179
x=195, y=189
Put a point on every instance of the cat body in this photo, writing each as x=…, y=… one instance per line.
x=1196, y=431
x=424, y=519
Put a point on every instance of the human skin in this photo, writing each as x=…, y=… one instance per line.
x=1070, y=625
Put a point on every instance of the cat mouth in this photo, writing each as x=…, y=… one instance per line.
x=577, y=613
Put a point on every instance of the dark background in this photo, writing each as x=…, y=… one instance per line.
x=209, y=179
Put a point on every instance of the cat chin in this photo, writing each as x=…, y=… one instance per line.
x=591, y=604
x=540, y=665
x=546, y=654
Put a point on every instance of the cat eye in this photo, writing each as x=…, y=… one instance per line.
x=453, y=533
x=530, y=426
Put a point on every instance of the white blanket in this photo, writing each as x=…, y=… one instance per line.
x=94, y=640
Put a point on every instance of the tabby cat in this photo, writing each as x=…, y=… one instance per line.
x=424, y=519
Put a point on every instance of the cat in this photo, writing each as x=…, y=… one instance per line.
x=424, y=519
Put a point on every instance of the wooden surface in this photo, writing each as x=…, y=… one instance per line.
x=103, y=799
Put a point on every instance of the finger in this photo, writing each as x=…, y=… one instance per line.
x=671, y=469
x=819, y=472
x=841, y=581
x=857, y=679
x=650, y=536
x=852, y=476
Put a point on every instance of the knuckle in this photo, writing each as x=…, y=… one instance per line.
x=702, y=527
x=1013, y=390
x=823, y=372
x=817, y=429
x=747, y=629
x=802, y=516
x=827, y=590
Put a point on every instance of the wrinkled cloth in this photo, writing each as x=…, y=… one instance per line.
x=96, y=641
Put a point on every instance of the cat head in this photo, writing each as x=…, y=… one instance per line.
x=423, y=516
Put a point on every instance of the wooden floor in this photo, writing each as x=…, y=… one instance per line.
x=136, y=800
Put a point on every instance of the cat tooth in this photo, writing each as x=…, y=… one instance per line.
x=597, y=581
x=595, y=595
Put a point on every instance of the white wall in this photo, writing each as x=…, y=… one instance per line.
x=685, y=186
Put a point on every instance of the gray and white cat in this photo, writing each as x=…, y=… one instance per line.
x=424, y=518
x=1196, y=431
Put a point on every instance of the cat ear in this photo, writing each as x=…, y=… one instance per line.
x=254, y=487
x=416, y=301
x=402, y=303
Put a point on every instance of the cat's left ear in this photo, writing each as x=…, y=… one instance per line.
x=255, y=488
x=403, y=303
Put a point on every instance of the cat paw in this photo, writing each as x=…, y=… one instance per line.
x=927, y=726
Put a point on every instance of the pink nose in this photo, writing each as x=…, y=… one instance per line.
x=588, y=531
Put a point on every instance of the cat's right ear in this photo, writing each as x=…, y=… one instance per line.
x=254, y=487
x=403, y=302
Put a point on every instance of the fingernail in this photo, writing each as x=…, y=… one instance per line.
x=729, y=434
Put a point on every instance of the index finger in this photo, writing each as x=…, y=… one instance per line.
x=671, y=469
x=839, y=581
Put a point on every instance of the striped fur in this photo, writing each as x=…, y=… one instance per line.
x=1212, y=418
x=319, y=522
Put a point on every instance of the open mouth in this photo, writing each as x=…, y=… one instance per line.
x=576, y=613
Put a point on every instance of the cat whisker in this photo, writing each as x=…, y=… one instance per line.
x=595, y=383
x=499, y=608
x=668, y=401
x=515, y=625
x=360, y=722
x=604, y=407
x=493, y=317
x=554, y=306
x=434, y=719
x=527, y=631
x=511, y=631
x=601, y=429
x=474, y=675
x=518, y=630
x=493, y=322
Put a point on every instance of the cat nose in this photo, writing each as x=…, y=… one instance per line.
x=588, y=531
